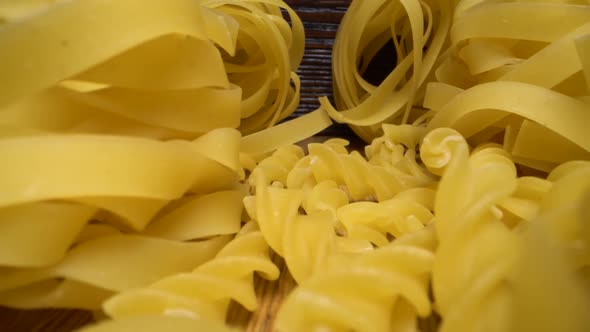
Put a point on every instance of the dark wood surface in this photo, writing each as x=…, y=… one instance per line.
x=321, y=19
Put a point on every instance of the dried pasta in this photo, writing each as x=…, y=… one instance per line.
x=362, y=180
x=511, y=59
x=206, y=291
x=412, y=26
x=102, y=266
x=468, y=57
x=476, y=250
x=78, y=255
x=107, y=89
x=127, y=185
x=375, y=221
x=484, y=272
x=381, y=290
x=303, y=240
x=545, y=248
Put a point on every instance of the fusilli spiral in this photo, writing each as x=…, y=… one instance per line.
x=381, y=290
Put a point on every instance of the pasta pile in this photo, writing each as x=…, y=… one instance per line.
x=120, y=138
x=481, y=239
x=148, y=76
x=127, y=187
x=494, y=71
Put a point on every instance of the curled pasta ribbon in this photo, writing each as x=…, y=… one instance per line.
x=412, y=26
x=258, y=145
x=101, y=89
x=206, y=291
x=381, y=290
x=157, y=323
x=267, y=57
x=100, y=266
x=247, y=57
x=89, y=273
x=84, y=184
x=508, y=59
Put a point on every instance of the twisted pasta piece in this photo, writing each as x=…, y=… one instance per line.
x=557, y=241
x=374, y=221
x=397, y=149
x=207, y=290
x=476, y=250
x=277, y=166
x=331, y=162
x=381, y=290
x=565, y=208
x=303, y=240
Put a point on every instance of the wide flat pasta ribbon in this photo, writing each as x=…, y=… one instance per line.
x=55, y=32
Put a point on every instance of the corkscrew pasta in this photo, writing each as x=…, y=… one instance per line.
x=476, y=250
x=361, y=179
x=375, y=221
x=381, y=290
x=303, y=240
x=546, y=249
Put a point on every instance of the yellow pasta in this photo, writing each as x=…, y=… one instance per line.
x=412, y=26
x=565, y=289
x=492, y=49
x=476, y=250
x=481, y=275
x=103, y=265
x=382, y=290
x=107, y=88
x=374, y=221
x=127, y=194
x=303, y=240
x=206, y=291
x=518, y=52
x=125, y=175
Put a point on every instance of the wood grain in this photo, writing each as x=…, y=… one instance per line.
x=321, y=19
